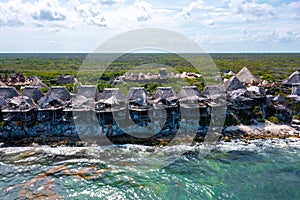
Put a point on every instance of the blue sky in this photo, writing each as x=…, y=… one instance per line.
x=81, y=25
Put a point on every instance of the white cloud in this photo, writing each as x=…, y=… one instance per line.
x=294, y=10
x=143, y=10
x=252, y=11
x=194, y=6
x=220, y=22
x=49, y=10
x=10, y=14
x=91, y=13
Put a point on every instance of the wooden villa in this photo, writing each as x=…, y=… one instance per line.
x=51, y=106
x=138, y=105
x=110, y=105
x=165, y=101
x=191, y=102
x=20, y=110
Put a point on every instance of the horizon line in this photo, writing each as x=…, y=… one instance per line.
x=87, y=52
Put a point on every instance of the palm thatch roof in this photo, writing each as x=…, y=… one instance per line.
x=163, y=92
x=57, y=97
x=21, y=103
x=213, y=91
x=50, y=101
x=60, y=92
x=35, y=81
x=81, y=102
x=110, y=97
x=33, y=92
x=188, y=91
x=88, y=91
x=109, y=93
x=233, y=84
x=292, y=80
x=138, y=95
x=245, y=76
x=8, y=92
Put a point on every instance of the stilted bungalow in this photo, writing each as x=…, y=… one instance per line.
x=21, y=110
x=111, y=104
x=191, y=103
x=165, y=100
x=216, y=98
x=246, y=77
x=83, y=103
x=164, y=97
x=51, y=106
x=138, y=105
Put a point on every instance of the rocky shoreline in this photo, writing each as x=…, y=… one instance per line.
x=255, y=131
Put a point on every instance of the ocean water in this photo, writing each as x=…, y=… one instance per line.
x=258, y=169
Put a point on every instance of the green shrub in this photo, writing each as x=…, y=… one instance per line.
x=274, y=119
x=44, y=90
x=2, y=124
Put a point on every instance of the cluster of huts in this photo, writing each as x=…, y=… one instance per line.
x=235, y=100
x=150, y=77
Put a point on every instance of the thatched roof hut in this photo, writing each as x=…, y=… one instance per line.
x=188, y=92
x=50, y=101
x=108, y=93
x=245, y=76
x=233, y=84
x=138, y=95
x=292, y=80
x=8, y=92
x=21, y=103
x=89, y=91
x=60, y=92
x=189, y=96
x=213, y=91
x=109, y=97
x=35, y=81
x=33, y=92
x=165, y=96
x=58, y=96
x=164, y=93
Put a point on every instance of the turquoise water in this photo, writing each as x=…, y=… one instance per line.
x=235, y=170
